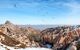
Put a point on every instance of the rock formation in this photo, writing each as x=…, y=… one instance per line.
x=73, y=46
x=60, y=37
x=21, y=35
x=57, y=38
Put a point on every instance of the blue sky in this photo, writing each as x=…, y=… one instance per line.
x=40, y=11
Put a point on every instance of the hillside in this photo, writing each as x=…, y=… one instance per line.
x=56, y=38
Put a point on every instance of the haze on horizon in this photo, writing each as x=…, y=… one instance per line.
x=40, y=11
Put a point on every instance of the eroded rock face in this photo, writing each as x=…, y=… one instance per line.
x=6, y=40
x=22, y=35
x=60, y=37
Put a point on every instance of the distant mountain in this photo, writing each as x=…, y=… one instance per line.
x=40, y=27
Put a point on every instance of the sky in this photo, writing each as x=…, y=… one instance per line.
x=36, y=12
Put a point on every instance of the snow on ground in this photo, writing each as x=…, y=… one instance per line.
x=4, y=47
x=34, y=49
